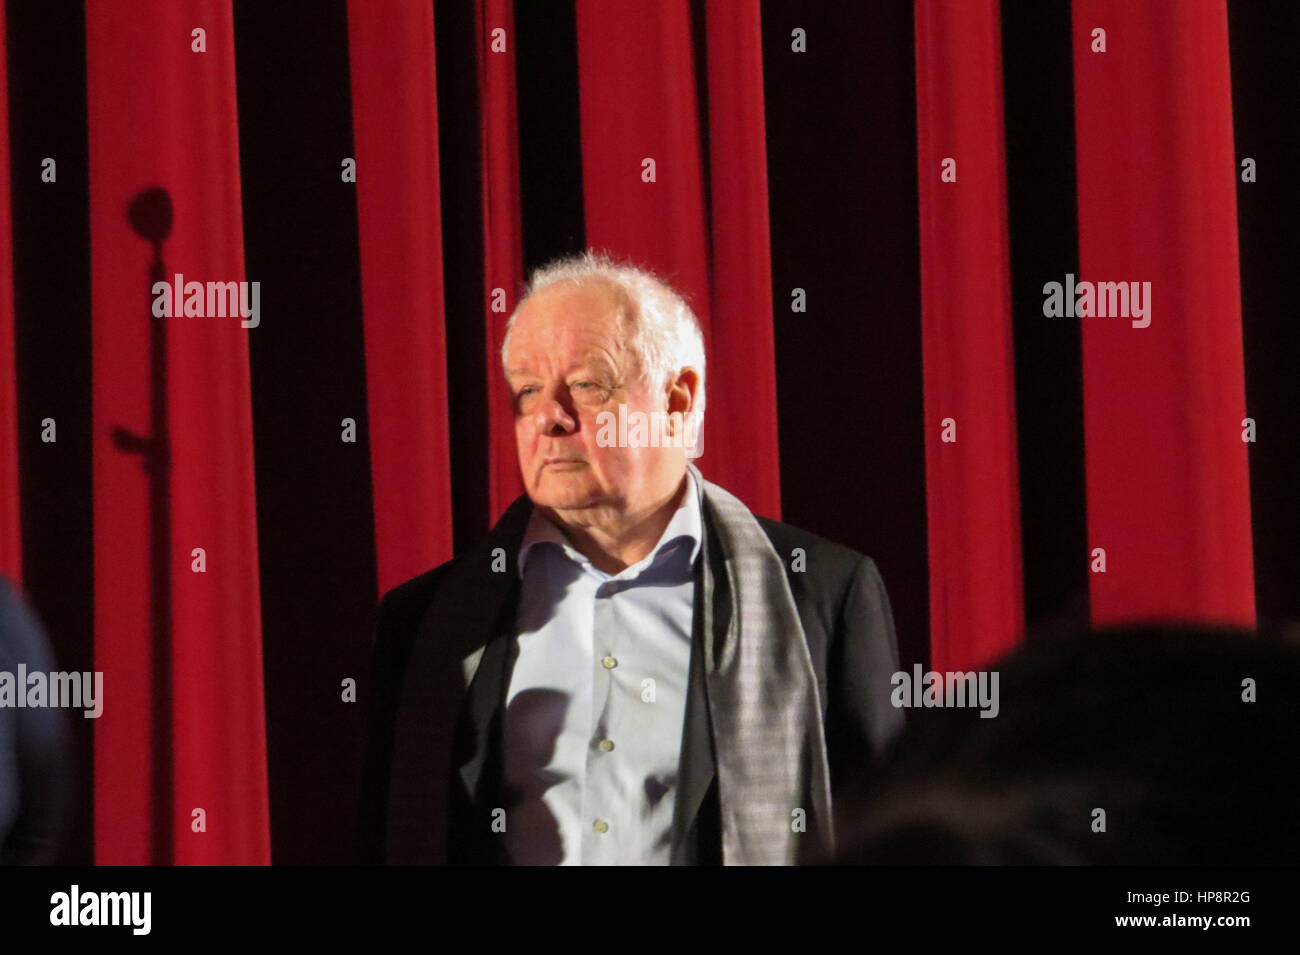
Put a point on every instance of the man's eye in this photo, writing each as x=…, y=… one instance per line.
x=526, y=390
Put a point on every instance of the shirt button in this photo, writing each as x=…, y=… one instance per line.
x=606, y=745
x=601, y=826
x=609, y=662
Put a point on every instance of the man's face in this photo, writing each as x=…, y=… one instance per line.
x=566, y=364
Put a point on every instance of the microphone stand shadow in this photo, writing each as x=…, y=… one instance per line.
x=150, y=215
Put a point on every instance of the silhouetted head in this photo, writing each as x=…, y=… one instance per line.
x=1142, y=745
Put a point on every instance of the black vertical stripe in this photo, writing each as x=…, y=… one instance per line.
x=51, y=261
x=1264, y=39
x=550, y=134
x=314, y=508
x=459, y=157
x=841, y=147
x=700, y=53
x=1042, y=216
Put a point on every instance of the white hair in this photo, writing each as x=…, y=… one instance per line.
x=664, y=333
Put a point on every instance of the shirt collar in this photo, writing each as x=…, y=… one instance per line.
x=686, y=523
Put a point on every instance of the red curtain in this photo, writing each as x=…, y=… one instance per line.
x=10, y=521
x=643, y=183
x=395, y=134
x=673, y=148
x=180, y=753
x=742, y=376
x=976, y=606
x=503, y=243
x=1168, y=484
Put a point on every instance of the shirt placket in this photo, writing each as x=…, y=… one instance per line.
x=606, y=819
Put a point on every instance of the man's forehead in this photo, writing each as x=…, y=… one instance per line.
x=586, y=323
x=577, y=306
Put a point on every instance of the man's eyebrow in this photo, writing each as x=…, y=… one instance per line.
x=597, y=362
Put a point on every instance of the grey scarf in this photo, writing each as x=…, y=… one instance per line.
x=762, y=695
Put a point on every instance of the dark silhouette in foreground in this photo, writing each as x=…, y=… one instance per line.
x=1147, y=724
x=35, y=769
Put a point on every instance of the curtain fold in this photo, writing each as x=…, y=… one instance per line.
x=742, y=363
x=636, y=75
x=644, y=181
x=972, y=483
x=10, y=520
x=180, y=751
x=399, y=218
x=1167, y=473
x=503, y=247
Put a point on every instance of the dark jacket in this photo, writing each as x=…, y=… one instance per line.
x=433, y=769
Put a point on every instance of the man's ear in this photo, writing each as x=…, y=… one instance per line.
x=683, y=391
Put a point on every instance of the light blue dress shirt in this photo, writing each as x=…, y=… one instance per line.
x=597, y=698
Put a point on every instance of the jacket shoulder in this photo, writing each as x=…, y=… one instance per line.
x=828, y=557
x=414, y=595
x=822, y=574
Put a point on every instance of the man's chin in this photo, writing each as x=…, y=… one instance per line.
x=565, y=491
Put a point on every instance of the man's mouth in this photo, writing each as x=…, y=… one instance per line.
x=562, y=462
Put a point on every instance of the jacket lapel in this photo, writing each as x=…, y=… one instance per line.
x=451, y=697
x=697, y=836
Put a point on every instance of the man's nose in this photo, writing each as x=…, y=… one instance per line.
x=553, y=418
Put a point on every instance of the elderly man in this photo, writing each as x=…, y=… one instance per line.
x=632, y=668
